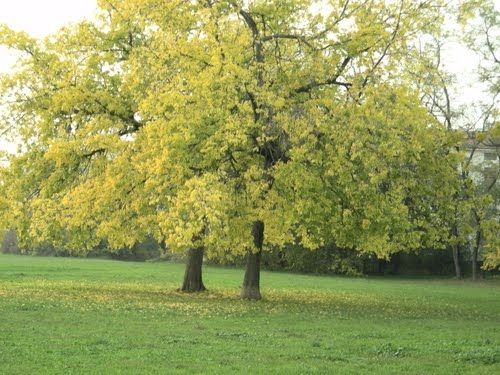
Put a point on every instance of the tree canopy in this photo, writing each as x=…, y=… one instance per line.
x=230, y=126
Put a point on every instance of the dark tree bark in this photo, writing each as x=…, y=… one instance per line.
x=455, y=234
x=474, y=264
x=251, y=282
x=476, y=246
x=475, y=252
x=456, y=261
x=193, y=276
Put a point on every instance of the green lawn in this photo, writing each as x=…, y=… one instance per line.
x=88, y=316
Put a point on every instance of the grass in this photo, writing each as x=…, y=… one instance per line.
x=91, y=316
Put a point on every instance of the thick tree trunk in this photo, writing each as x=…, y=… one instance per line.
x=456, y=261
x=192, y=277
x=251, y=282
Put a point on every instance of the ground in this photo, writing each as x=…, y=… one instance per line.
x=86, y=316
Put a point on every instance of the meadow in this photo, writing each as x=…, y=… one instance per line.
x=95, y=316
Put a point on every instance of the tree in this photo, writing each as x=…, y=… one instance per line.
x=72, y=89
x=435, y=85
x=480, y=20
x=481, y=33
x=473, y=219
x=229, y=127
x=438, y=92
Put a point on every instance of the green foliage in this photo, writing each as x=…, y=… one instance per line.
x=480, y=20
x=472, y=216
x=8, y=242
x=492, y=248
x=144, y=250
x=325, y=260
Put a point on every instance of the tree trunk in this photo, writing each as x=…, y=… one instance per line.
x=251, y=282
x=475, y=252
x=474, y=264
x=192, y=277
x=475, y=248
x=456, y=250
x=456, y=261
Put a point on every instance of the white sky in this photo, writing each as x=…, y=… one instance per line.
x=40, y=18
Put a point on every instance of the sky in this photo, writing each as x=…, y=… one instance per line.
x=40, y=18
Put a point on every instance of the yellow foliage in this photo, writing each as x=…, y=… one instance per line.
x=189, y=121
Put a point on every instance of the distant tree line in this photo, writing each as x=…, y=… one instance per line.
x=328, y=260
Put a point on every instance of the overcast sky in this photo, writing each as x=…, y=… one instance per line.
x=40, y=18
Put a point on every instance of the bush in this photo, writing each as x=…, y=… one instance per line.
x=327, y=260
x=142, y=251
x=9, y=243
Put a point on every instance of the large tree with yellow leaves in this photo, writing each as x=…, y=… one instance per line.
x=227, y=127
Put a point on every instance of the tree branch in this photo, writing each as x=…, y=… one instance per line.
x=331, y=81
